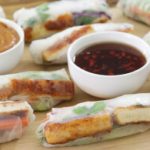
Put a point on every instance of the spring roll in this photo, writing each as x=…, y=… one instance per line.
x=41, y=89
x=49, y=18
x=91, y=122
x=136, y=9
x=15, y=116
x=2, y=14
x=53, y=50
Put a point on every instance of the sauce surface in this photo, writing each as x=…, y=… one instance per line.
x=110, y=59
x=8, y=37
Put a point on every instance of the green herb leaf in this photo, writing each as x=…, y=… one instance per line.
x=43, y=16
x=41, y=11
x=31, y=22
x=42, y=7
x=81, y=110
x=55, y=76
x=31, y=75
x=98, y=106
x=84, y=20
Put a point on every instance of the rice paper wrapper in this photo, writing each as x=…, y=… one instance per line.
x=10, y=128
x=67, y=114
x=42, y=90
x=136, y=9
x=52, y=17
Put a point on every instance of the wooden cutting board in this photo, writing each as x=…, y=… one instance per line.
x=29, y=140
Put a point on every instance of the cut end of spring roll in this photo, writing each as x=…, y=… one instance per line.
x=14, y=117
x=136, y=9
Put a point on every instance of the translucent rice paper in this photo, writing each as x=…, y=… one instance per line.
x=49, y=18
x=2, y=14
x=42, y=89
x=66, y=114
x=12, y=129
x=136, y=9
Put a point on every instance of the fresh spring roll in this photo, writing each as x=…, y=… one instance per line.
x=15, y=116
x=53, y=50
x=2, y=14
x=49, y=18
x=91, y=122
x=41, y=89
x=136, y=9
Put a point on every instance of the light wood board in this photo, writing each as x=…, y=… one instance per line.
x=29, y=140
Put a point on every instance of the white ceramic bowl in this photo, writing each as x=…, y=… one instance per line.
x=11, y=57
x=104, y=86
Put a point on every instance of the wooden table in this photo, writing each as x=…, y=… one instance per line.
x=29, y=140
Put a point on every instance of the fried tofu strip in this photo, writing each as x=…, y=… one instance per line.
x=130, y=115
x=57, y=133
x=61, y=44
x=34, y=88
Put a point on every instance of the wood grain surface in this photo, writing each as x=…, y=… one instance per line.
x=29, y=140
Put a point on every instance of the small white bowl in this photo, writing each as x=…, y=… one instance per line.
x=11, y=57
x=104, y=86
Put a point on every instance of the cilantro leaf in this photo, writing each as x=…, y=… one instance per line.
x=81, y=110
x=42, y=7
x=98, y=106
x=42, y=11
x=31, y=22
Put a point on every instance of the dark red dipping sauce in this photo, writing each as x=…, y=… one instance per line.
x=110, y=59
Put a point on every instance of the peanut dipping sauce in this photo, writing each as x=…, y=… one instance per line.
x=110, y=59
x=8, y=37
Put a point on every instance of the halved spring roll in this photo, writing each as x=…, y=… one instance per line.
x=41, y=89
x=49, y=18
x=14, y=117
x=53, y=50
x=91, y=122
x=136, y=9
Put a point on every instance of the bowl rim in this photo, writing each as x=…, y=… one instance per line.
x=19, y=31
x=70, y=60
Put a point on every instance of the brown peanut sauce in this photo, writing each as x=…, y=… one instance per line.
x=8, y=37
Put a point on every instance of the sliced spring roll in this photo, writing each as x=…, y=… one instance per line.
x=41, y=89
x=136, y=9
x=49, y=18
x=53, y=50
x=2, y=14
x=15, y=116
x=91, y=122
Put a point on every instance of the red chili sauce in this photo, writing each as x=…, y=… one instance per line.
x=110, y=59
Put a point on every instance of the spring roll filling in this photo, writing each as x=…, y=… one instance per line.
x=58, y=133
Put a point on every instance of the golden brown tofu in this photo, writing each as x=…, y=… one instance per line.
x=58, y=133
x=61, y=44
x=129, y=115
x=34, y=88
